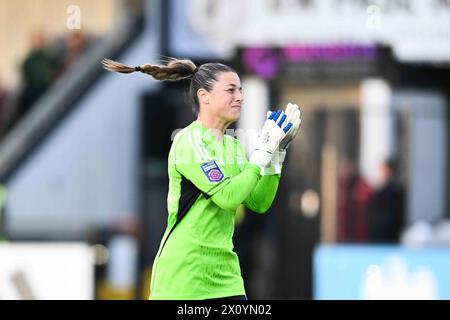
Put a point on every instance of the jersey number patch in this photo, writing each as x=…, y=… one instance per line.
x=212, y=171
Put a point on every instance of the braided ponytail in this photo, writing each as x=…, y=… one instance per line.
x=172, y=70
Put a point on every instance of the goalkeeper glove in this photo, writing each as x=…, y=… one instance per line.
x=293, y=116
x=273, y=132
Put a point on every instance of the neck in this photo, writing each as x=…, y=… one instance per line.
x=215, y=124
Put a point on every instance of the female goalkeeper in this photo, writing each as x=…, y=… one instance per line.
x=209, y=177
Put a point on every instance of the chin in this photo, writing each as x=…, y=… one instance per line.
x=236, y=114
x=235, y=118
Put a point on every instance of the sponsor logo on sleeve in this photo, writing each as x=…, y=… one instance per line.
x=212, y=171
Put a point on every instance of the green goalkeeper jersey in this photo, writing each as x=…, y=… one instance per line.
x=208, y=180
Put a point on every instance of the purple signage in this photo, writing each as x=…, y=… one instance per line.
x=266, y=62
x=328, y=53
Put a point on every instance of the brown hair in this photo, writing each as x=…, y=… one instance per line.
x=202, y=77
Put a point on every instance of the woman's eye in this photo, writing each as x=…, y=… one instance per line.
x=230, y=90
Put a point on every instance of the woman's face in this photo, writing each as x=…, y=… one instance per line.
x=225, y=98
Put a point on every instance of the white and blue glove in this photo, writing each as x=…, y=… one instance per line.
x=274, y=130
x=293, y=115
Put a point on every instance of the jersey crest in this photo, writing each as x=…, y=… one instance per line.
x=212, y=171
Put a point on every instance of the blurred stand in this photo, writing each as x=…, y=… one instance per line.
x=3, y=199
x=422, y=234
x=122, y=267
x=93, y=148
x=354, y=196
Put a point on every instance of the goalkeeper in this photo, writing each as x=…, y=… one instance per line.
x=209, y=177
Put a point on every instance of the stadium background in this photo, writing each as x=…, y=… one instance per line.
x=83, y=152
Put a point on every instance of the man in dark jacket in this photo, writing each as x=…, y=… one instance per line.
x=386, y=211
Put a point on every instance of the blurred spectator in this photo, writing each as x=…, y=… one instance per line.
x=2, y=103
x=386, y=213
x=38, y=71
x=75, y=44
x=46, y=62
x=354, y=195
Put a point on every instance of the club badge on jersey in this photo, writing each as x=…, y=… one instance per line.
x=212, y=171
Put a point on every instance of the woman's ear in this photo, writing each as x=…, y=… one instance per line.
x=203, y=96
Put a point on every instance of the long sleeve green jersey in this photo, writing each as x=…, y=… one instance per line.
x=208, y=180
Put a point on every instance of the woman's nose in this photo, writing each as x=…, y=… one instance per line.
x=239, y=96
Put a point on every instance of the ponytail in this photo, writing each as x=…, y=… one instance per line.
x=173, y=70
